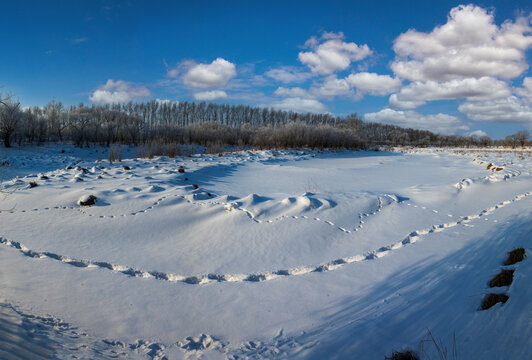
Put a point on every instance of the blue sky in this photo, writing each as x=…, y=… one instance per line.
x=445, y=66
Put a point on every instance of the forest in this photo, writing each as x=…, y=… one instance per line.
x=213, y=126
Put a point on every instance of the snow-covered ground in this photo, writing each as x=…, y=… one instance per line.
x=263, y=254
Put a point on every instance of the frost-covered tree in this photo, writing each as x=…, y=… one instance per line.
x=9, y=118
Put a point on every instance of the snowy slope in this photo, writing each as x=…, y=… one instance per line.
x=262, y=254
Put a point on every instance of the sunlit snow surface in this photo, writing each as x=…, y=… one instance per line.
x=262, y=254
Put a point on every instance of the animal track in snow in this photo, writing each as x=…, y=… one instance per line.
x=413, y=237
x=77, y=344
x=495, y=177
x=199, y=197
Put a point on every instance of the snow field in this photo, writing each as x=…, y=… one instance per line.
x=265, y=256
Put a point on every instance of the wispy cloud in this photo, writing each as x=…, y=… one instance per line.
x=79, y=40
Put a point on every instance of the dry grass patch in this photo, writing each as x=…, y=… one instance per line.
x=403, y=355
x=492, y=299
x=87, y=200
x=115, y=154
x=515, y=256
x=503, y=278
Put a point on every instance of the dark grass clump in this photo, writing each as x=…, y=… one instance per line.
x=403, y=355
x=492, y=299
x=181, y=169
x=503, y=278
x=33, y=184
x=515, y=256
x=91, y=200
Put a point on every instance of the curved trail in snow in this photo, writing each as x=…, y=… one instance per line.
x=413, y=237
x=229, y=206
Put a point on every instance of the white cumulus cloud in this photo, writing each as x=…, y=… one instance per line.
x=210, y=95
x=332, y=87
x=478, y=133
x=439, y=123
x=469, y=45
x=330, y=53
x=374, y=84
x=217, y=73
x=118, y=92
x=300, y=105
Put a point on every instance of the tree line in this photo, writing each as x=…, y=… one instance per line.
x=165, y=122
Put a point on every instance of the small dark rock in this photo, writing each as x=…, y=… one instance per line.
x=33, y=184
x=126, y=167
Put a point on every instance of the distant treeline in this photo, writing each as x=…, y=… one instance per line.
x=164, y=122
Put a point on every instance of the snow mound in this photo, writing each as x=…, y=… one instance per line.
x=308, y=201
x=252, y=199
x=155, y=188
x=388, y=199
x=198, y=196
x=76, y=178
x=464, y=183
x=202, y=342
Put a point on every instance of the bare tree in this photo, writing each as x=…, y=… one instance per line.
x=9, y=117
x=522, y=137
x=58, y=119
